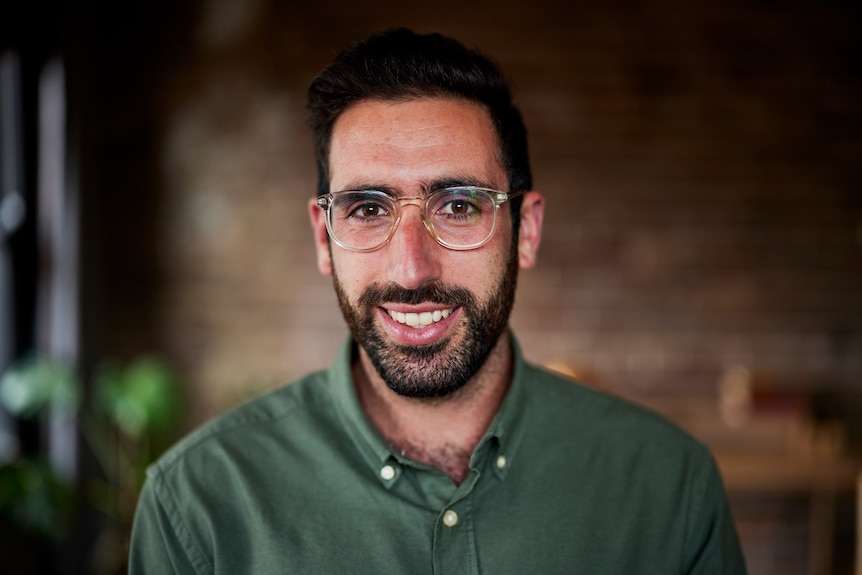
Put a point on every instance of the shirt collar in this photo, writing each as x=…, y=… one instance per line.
x=500, y=444
x=497, y=448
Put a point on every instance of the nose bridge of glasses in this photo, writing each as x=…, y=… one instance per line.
x=420, y=202
x=404, y=201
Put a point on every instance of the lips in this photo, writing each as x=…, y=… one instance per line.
x=419, y=320
x=416, y=317
x=417, y=326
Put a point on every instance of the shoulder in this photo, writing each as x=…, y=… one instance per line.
x=574, y=410
x=277, y=412
x=615, y=446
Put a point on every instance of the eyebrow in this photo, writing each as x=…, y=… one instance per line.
x=427, y=186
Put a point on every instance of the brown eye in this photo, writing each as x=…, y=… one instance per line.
x=369, y=210
x=459, y=207
x=364, y=210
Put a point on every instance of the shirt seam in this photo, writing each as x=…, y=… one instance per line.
x=696, y=506
x=183, y=533
x=165, y=464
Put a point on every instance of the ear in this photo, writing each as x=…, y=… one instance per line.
x=532, y=214
x=321, y=237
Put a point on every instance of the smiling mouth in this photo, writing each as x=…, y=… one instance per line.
x=419, y=320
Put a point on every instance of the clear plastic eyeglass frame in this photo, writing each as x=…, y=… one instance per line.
x=396, y=205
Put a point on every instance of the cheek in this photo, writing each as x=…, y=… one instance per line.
x=479, y=271
x=354, y=272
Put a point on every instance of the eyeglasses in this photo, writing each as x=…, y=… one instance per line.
x=459, y=218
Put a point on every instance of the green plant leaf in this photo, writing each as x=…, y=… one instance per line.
x=139, y=399
x=33, y=383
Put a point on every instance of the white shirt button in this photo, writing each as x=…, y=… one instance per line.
x=501, y=461
x=450, y=518
x=387, y=472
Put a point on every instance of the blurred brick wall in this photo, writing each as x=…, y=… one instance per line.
x=701, y=167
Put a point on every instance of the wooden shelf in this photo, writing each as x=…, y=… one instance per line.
x=781, y=472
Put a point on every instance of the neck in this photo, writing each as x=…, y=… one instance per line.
x=442, y=431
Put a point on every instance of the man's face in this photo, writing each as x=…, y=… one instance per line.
x=461, y=300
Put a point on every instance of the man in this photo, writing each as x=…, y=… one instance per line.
x=430, y=446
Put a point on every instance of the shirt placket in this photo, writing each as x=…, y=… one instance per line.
x=454, y=546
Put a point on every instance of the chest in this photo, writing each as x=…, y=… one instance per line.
x=523, y=523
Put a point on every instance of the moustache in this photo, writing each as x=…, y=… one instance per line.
x=439, y=293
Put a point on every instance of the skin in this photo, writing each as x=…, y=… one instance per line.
x=406, y=147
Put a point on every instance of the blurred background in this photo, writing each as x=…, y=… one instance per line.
x=702, y=165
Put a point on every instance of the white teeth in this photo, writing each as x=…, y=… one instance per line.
x=423, y=319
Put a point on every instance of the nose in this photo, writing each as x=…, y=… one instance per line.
x=413, y=256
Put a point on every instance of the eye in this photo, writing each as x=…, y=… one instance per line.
x=361, y=207
x=460, y=206
x=368, y=210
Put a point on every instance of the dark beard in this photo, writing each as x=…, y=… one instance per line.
x=441, y=368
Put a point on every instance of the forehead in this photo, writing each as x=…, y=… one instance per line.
x=403, y=143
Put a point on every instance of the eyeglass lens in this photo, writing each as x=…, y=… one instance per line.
x=458, y=217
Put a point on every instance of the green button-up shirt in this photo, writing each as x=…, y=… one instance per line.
x=566, y=480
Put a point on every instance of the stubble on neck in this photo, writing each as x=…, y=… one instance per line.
x=441, y=431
